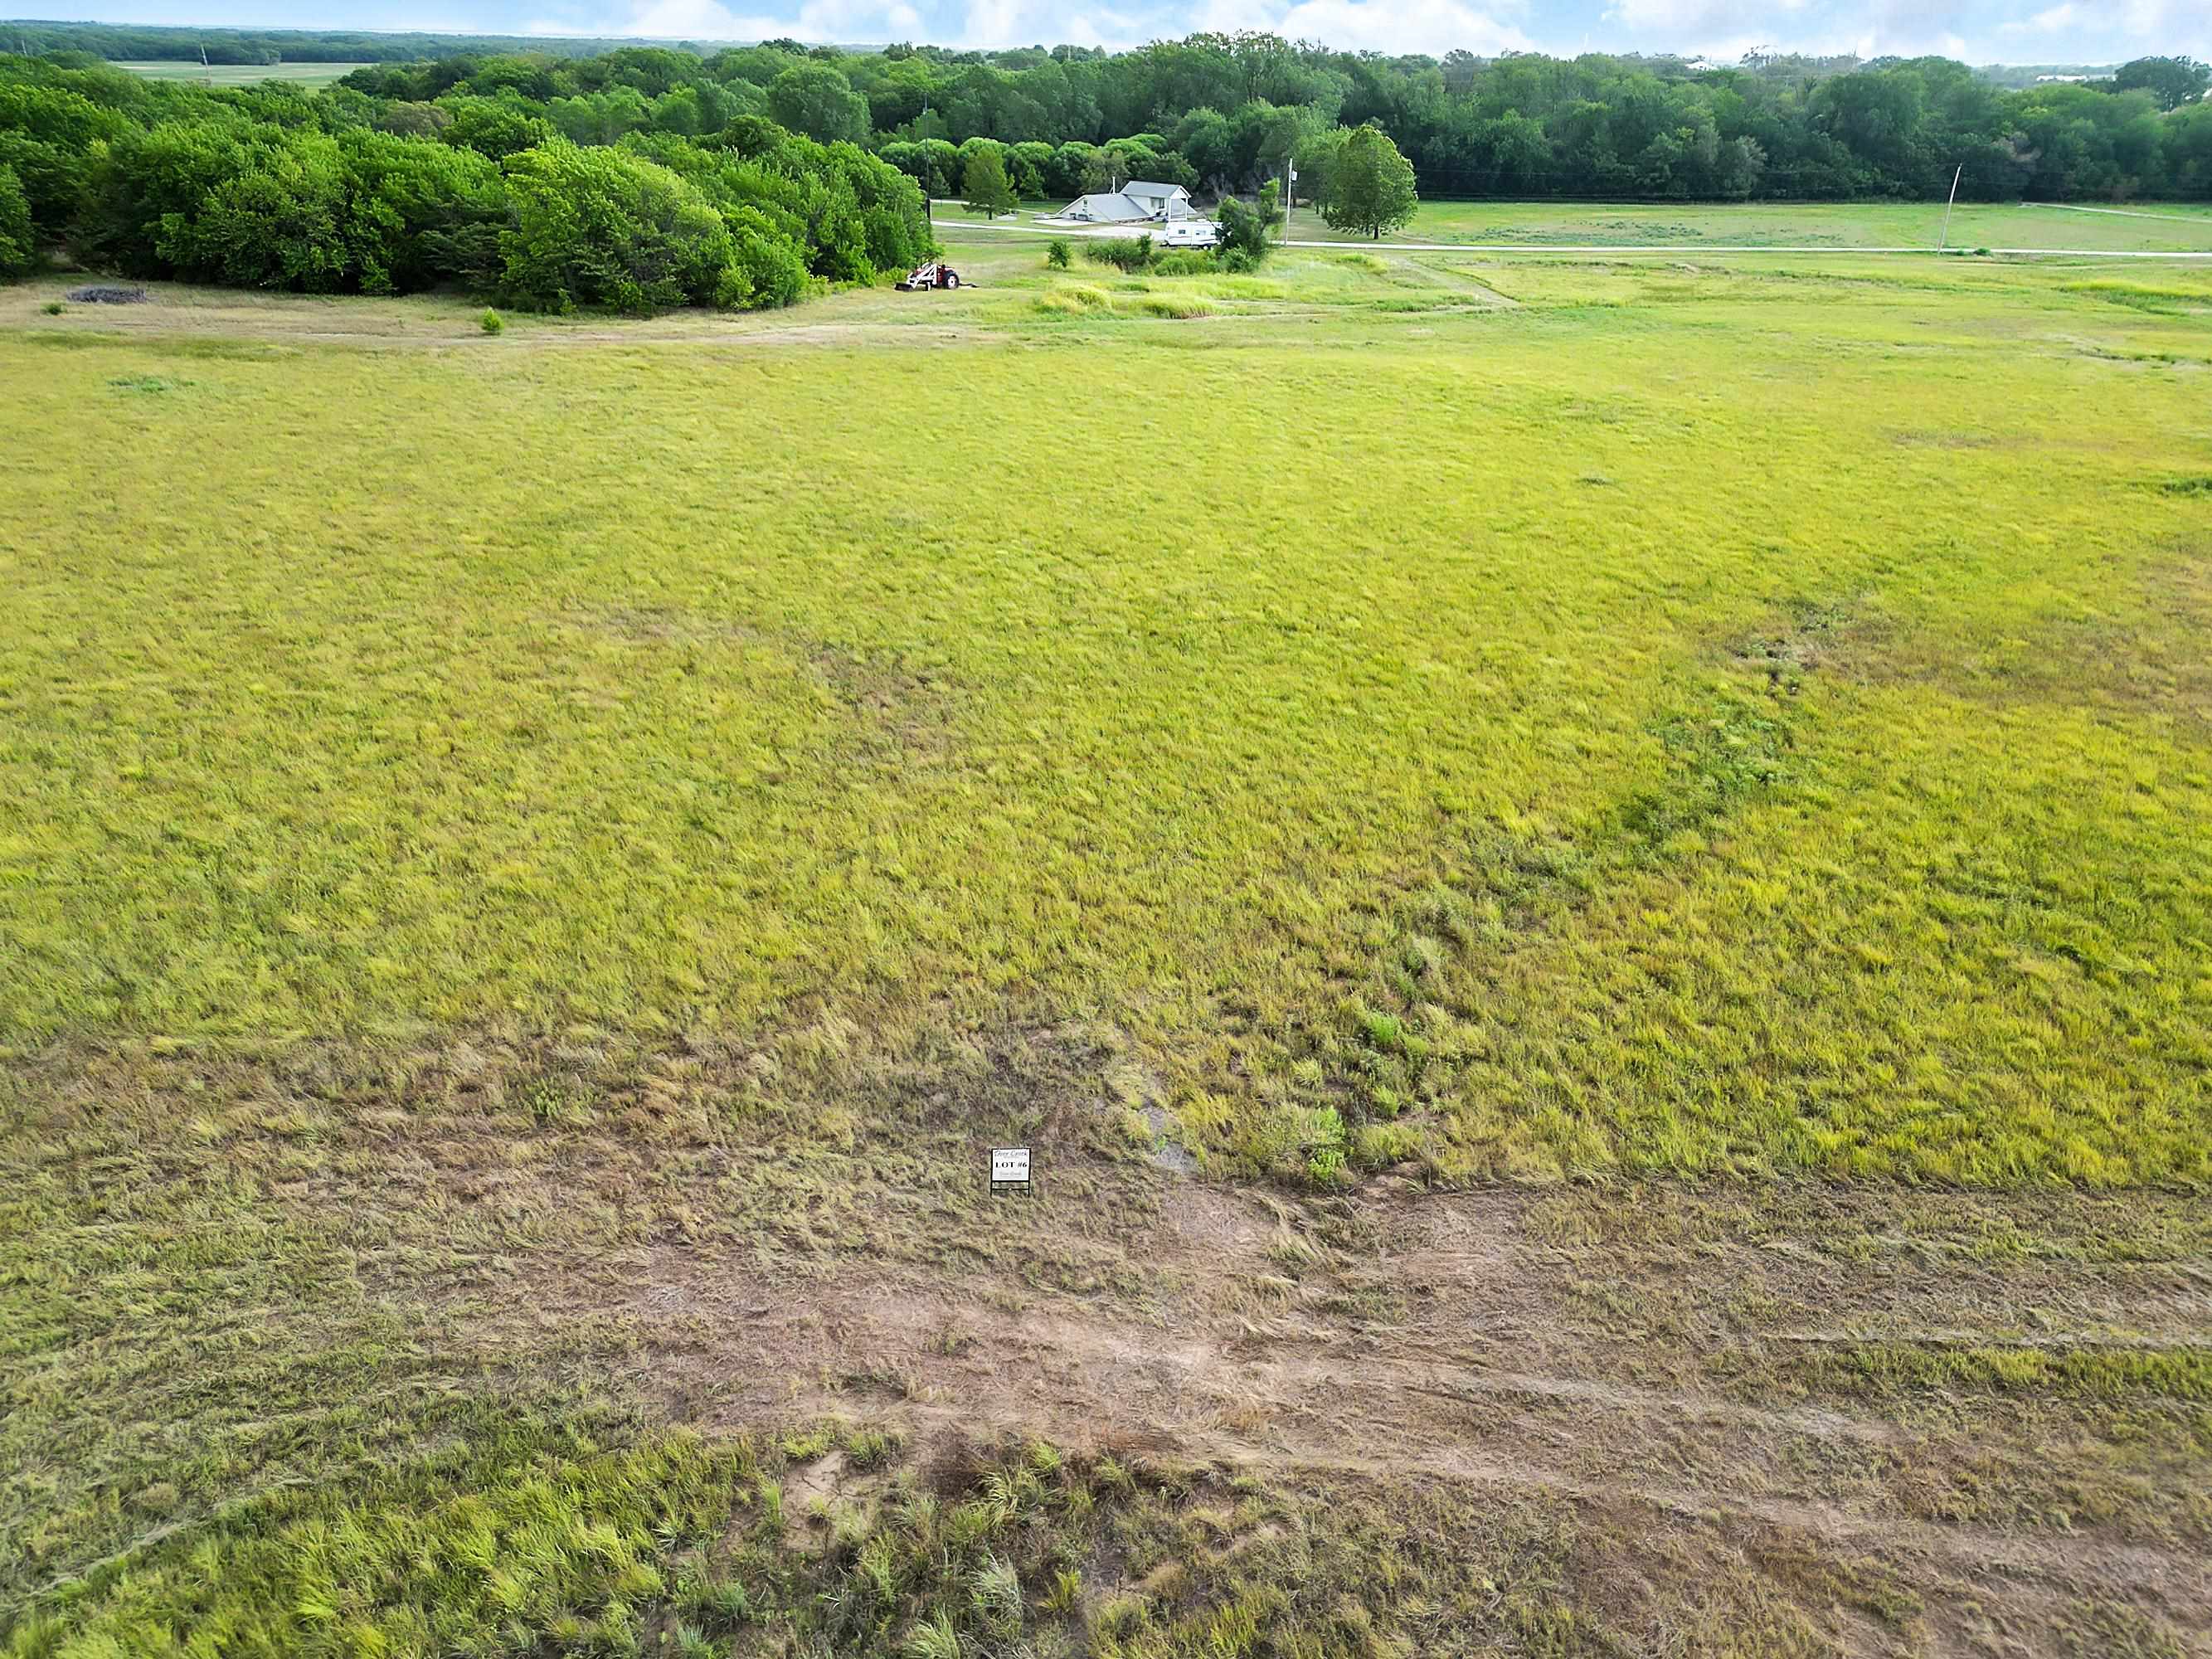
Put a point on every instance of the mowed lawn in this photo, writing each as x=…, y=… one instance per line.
x=1526, y=718
x=2160, y=226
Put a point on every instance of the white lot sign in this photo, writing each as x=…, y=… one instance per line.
x=1010, y=1163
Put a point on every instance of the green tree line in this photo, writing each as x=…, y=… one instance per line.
x=352, y=191
x=1222, y=111
x=648, y=176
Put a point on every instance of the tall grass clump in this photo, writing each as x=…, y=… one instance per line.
x=1177, y=306
x=1075, y=300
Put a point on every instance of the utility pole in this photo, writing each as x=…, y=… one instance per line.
x=1945, y=245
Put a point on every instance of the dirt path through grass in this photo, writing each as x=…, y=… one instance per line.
x=1948, y=1386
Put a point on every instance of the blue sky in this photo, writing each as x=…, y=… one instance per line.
x=1980, y=31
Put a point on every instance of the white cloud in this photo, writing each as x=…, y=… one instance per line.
x=1389, y=26
x=1976, y=30
x=2169, y=26
x=710, y=19
x=1431, y=26
x=2050, y=22
x=1751, y=17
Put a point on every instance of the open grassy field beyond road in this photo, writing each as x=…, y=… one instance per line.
x=2157, y=227
x=531, y=866
x=307, y=77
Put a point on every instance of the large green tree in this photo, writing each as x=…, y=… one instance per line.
x=1370, y=185
x=2172, y=82
x=984, y=184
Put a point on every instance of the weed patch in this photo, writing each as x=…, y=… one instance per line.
x=684, y=1547
x=148, y=386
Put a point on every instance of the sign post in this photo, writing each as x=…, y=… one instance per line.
x=1010, y=1172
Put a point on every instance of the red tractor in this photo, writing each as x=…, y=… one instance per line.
x=934, y=273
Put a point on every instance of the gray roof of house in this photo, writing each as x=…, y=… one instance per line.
x=1115, y=205
x=1145, y=187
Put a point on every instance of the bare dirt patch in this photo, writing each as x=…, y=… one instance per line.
x=1656, y=1362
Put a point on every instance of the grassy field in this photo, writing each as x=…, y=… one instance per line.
x=307, y=76
x=1497, y=827
x=531, y=864
x=2153, y=226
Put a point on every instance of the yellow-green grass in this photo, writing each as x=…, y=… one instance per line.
x=545, y=1544
x=2144, y=225
x=1527, y=719
x=307, y=75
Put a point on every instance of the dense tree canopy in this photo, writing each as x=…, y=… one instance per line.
x=640, y=184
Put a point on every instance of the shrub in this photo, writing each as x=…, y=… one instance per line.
x=1056, y=253
x=1120, y=252
x=54, y=307
x=491, y=322
x=1185, y=262
x=1245, y=229
x=766, y=269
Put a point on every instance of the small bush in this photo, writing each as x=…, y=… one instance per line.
x=1121, y=252
x=55, y=307
x=1185, y=262
x=1057, y=253
x=1239, y=263
x=491, y=322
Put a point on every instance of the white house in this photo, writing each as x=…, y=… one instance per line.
x=1136, y=202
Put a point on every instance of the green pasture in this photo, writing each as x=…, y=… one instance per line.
x=2113, y=227
x=1526, y=718
x=307, y=77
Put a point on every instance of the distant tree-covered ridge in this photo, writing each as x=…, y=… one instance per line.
x=155, y=42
